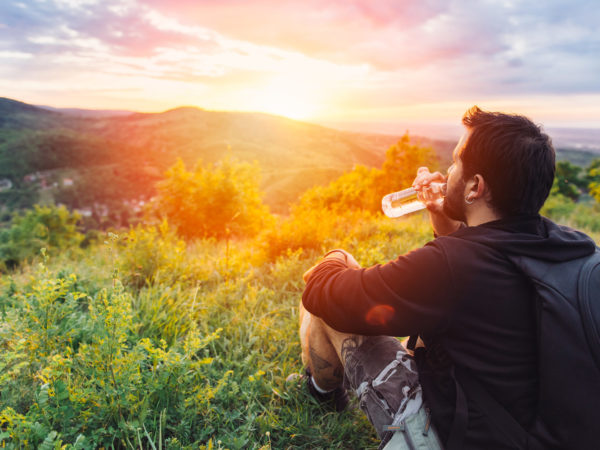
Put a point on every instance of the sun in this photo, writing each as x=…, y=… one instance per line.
x=287, y=97
x=287, y=103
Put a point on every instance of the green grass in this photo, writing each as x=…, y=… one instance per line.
x=141, y=341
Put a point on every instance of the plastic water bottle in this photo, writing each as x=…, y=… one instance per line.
x=408, y=200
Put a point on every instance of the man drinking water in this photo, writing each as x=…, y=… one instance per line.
x=480, y=376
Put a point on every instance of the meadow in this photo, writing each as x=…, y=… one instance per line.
x=180, y=332
x=143, y=341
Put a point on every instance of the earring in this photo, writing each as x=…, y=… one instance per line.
x=469, y=201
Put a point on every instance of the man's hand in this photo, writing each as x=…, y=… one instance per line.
x=338, y=254
x=441, y=223
x=423, y=179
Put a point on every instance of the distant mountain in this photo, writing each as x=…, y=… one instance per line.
x=87, y=158
x=19, y=116
x=88, y=112
x=81, y=158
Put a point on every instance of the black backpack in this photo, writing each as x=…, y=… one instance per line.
x=568, y=325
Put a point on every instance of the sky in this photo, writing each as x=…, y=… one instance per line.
x=370, y=63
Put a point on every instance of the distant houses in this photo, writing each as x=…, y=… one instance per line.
x=42, y=178
x=68, y=188
x=47, y=179
x=120, y=215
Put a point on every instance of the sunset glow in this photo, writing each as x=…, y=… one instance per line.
x=325, y=61
x=286, y=99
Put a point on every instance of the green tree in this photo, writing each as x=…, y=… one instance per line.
x=220, y=200
x=49, y=227
x=593, y=179
x=401, y=163
x=353, y=190
x=362, y=188
x=568, y=180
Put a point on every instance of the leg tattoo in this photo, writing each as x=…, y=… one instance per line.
x=324, y=372
x=318, y=363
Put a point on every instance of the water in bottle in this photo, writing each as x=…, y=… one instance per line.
x=408, y=200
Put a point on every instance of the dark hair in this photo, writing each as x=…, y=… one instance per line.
x=514, y=157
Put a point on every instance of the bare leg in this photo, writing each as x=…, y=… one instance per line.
x=323, y=350
x=328, y=352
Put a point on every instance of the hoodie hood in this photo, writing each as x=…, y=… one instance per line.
x=531, y=236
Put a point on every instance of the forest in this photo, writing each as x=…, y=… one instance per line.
x=179, y=330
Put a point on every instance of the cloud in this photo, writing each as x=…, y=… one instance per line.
x=69, y=36
x=373, y=53
x=496, y=40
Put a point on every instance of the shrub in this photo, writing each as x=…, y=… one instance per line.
x=355, y=190
x=153, y=370
x=587, y=217
x=558, y=207
x=326, y=214
x=74, y=370
x=305, y=229
x=49, y=227
x=221, y=200
x=362, y=188
x=401, y=163
x=147, y=254
x=567, y=180
x=593, y=178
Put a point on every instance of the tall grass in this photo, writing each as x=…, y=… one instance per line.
x=143, y=341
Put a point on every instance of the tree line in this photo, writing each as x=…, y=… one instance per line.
x=223, y=201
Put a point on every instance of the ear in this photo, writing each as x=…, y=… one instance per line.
x=476, y=187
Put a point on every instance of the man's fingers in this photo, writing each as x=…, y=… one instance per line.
x=437, y=176
x=340, y=255
x=352, y=263
x=424, y=178
x=308, y=273
x=422, y=174
x=348, y=258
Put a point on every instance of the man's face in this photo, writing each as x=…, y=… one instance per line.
x=454, y=202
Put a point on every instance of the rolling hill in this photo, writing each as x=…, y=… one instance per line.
x=80, y=158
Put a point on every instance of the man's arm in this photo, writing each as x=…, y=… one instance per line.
x=410, y=295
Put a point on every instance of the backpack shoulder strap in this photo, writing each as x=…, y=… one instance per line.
x=588, y=296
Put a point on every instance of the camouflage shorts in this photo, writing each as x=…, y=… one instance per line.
x=385, y=379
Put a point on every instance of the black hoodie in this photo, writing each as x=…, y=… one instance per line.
x=469, y=303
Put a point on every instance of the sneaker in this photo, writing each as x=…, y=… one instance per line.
x=336, y=400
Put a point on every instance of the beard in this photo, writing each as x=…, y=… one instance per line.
x=454, y=206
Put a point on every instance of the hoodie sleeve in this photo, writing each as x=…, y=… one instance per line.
x=412, y=294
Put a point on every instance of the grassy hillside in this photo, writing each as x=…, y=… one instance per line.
x=106, y=159
x=131, y=152
x=127, y=154
x=138, y=339
x=144, y=341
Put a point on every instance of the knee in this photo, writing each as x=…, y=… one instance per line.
x=312, y=325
